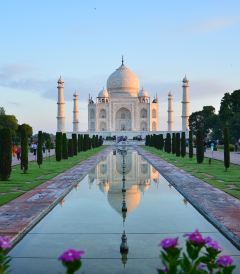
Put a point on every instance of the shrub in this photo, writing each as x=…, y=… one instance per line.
x=64, y=146
x=178, y=145
x=100, y=141
x=173, y=143
x=199, y=146
x=70, y=148
x=79, y=142
x=75, y=144
x=24, y=149
x=226, y=149
x=190, y=144
x=58, y=151
x=168, y=143
x=161, y=145
x=40, y=148
x=183, y=144
x=5, y=154
x=85, y=142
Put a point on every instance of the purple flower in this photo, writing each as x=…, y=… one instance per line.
x=224, y=261
x=202, y=266
x=169, y=242
x=212, y=244
x=195, y=237
x=5, y=242
x=71, y=255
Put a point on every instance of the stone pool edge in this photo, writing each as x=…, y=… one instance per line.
x=218, y=209
x=20, y=215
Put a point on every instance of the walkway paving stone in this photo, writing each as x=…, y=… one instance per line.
x=221, y=209
x=20, y=215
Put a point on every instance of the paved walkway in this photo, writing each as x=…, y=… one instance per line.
x=20, y=215
x=221, y=209
x=219, y=155
x=31, y=157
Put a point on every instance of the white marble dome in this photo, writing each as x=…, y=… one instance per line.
x=143, y=93
x=123, y=82
x=103, y=93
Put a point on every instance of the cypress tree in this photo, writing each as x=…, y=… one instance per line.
x=168, y=143
x=161, y=143
x=64, y=146
x=100, y=141
x=5, y=154
x=24, y=149
x=58, y=149
x=97, y=144
x=79, y=142
x=183, y=144
x=70, y=148
x=48, y=146
x=178, y=145
x=173, y=143
x=226, y=149
x=199, y=146
x=190, y=144
x=74, y=140
x=147, y=140
x=40, y=148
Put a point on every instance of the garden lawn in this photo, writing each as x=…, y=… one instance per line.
x=20, y=183
x=214, y=174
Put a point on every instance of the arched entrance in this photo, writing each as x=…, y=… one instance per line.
x=123, y=120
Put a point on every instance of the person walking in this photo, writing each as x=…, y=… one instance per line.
x=19, y=150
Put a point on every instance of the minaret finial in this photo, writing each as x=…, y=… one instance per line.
x=122, y=61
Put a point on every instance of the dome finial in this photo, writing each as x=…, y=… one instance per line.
x=122, y=61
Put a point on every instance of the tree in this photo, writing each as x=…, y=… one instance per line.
x=173, y=143
x=48, y=146
x=10, y=122
x=178, y=145
x=64, y=146
x=70, y=148
x=75, y=143
x=40, y=149
x=100, y=141
x=183, y=144
x=85, y=142
x=200, y=146
x=58, y=149
x=24, y=150
x=28, y=129
x=226, y=149
x=2, y=111
x=79, y=142
x=168, y=143
x=5, y=154
x=190, y=144
x=161, y=141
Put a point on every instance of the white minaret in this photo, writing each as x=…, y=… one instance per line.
x=75, y=113
x=170, y=112
x=185, y=105
x=60, y=103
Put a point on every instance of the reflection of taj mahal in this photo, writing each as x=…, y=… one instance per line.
x=139, y=175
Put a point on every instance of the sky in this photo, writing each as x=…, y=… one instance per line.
x=83, y=41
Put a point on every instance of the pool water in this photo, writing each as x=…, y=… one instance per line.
x=90, y=218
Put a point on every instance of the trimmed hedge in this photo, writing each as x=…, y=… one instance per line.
x=5, y=154
x=190, y=144
x=226, y=149
x=75, y=143
x=58, y=149
x=183, y=144
x=199, y=146
x=64, y=146
x=178, y=145
x=40, y=149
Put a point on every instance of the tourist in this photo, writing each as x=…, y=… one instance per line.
x=19, y=152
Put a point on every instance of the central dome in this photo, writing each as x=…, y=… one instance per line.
x=123, y=82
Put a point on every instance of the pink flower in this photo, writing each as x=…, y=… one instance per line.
x=195, y=237
x=71, y=255
x=5, y=242
x=169, y=242
x=212, y=244
x=224, y=261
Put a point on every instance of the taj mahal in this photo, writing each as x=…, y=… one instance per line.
x=123, y=108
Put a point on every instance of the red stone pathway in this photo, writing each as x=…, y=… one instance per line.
x=221, y=209
x=20, y=215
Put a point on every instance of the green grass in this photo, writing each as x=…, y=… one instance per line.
x=214, y=174
x=20, y=183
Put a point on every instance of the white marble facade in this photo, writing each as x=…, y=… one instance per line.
x=123, y=106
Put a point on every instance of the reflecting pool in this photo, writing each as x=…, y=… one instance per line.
x=123, y=201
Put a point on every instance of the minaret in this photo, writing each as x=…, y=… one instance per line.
x=185, y=105
x=60, y=103
x=75, y=113
x=170, y=112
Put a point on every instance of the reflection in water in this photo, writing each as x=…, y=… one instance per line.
x=124, y=177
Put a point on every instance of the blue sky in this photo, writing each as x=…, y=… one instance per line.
x=84, y=40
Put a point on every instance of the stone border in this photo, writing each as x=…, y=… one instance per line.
x=218, y=207
x=20, y=215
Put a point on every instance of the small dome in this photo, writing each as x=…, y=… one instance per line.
x=103, y=93
x=143, y=93
x=185, y=80
x=123, y=82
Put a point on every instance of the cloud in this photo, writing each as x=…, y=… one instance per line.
x=214, y=24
